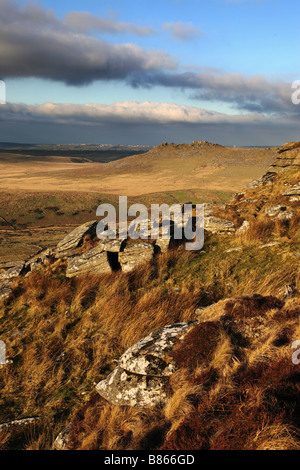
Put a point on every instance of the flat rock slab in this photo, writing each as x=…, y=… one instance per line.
x=134, y=255
x=12, y=272
x=289, y=146
x=293, y=191
x=94, y=261
x=111, y=245
x=69, y=245
x=216, y=224
x=10, y=264
x=19, y=423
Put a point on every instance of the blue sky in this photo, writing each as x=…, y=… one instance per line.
x=141, y=71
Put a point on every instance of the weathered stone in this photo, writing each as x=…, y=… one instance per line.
x=265, y=180
x=141, y=377
x=5, y=291
x=288, y=158
x=274, y=211
x=243, y=228
x=69, y=246
x=289, y=146
x=288, y=215
x=293, y=191
x=10, y=264
x=93, y=261
x=216, y=224
x=61, y=441
x=232, y=250
x=134, y=255
x=255, y=184
x=269, y=245
x=123, y=388
x=19, y=423
x=111, y=245
x=12, y=272
x=150, y=355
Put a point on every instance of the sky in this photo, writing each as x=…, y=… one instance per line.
x=145, y=72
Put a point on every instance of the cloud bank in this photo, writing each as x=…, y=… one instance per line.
x=137, y=123
x=34, y=43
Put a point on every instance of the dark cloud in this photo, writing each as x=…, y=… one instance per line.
x=139, y=123
x=85, y=22
x=33, y=42
x=254, y=93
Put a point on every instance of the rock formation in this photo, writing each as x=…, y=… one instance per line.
x=71, y=244
x=141, y=377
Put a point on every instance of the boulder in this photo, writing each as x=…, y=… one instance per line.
x=289, y=146
x=134, y=255
x=95, y=261
x=265, y=180
x=12, y=272
x=70, y=245
x=141, y=377
x=124, y=388
x=288, y=158
x=216, y=224
x=274, y=211
x=5, y=290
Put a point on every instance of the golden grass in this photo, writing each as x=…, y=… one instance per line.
x=236, y=388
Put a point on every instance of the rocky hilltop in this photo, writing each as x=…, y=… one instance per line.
x=287, y=159
x=135, y=345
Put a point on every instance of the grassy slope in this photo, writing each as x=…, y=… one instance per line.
x=64, y=335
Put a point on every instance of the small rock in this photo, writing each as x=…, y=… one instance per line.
x=216, y=224
x=286, y=215
x=293, y=191
x=61, y=441
x=243, y=228
x=231, y=250
x=274, y=211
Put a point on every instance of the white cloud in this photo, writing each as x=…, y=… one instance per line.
x=182, y=31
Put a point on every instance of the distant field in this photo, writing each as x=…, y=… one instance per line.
x=171, y=168
x=43, y=197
